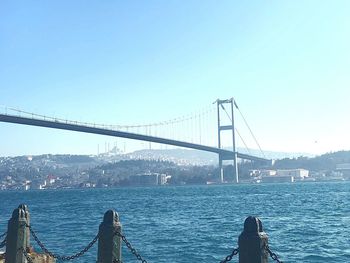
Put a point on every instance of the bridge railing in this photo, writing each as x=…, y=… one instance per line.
x=20, y=113
x=252, y=242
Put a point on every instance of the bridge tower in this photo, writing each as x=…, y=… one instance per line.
x=230, y=127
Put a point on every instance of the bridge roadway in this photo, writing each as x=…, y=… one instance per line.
x=58, y=124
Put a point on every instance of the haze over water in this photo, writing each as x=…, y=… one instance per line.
x=305, y=222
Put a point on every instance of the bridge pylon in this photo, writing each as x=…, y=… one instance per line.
x=230, y=127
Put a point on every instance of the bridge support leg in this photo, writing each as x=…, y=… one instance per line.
x=235, y=168
x=109, y=243
x=221, y=170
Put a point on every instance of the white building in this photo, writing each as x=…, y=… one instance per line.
x=279, y=176
x=268, y=172
x=296, y=173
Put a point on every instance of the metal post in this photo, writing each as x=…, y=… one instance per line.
x=109, y=244
x=221, y=169
x=17, y=236
x=252, y=242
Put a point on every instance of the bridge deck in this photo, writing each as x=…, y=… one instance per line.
x=96, y=130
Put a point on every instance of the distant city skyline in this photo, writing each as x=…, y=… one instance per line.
x=286, y=64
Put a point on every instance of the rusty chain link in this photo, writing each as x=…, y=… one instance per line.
x=130, y=247
x=272, y=255
x=25, y=253
x=127, y=243
x=229, y=257
x=63, y=258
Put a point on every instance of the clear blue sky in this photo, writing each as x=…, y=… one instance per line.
x=287, y=63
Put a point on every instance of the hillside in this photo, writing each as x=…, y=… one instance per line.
x=326, y=161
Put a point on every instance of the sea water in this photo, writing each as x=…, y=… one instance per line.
x=305, y=222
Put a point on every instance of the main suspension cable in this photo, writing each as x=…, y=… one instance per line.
x=251, y=132
x=228, y=115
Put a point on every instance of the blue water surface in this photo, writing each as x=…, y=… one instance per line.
x=305, y=222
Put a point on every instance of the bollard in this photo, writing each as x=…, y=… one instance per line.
x=27, y=216
x=252, y=242
x=109, y=244
x=17, y=237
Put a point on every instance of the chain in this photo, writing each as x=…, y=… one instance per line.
x=130, y=247
x=229, y=257
x=25, y=253
x=63, y=258
x=272, y=255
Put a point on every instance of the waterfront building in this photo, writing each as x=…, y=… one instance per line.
x=148, y=179
x=268, y=173
x=278, y=179
x=296, y=173
x=283, y=176
x=344, y=169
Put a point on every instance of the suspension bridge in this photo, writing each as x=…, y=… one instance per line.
x=154, y=132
